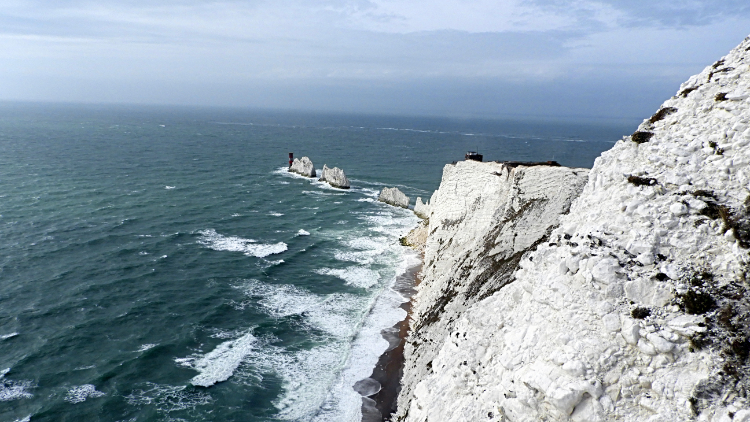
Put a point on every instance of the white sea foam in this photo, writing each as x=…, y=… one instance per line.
x=219, y=364
x=168, y=398
x=372, y=193
x=275, y=214
x=169, y=187
x=354, y=276
x=7, y=336
x=249, y=247
x=307, y=376
x=302, y=232
x=143, y=253
x=80, y=393
x=14, y=390
x=335, y=314
x=146, y=346
x=26, y=419
x=365, y=200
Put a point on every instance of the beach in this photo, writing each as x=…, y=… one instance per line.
x=388, y=371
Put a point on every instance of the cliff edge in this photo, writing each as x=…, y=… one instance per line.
x=482, y=220
x=636, y=308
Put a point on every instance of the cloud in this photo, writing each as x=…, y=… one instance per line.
x=662, y=13
x=303, y=54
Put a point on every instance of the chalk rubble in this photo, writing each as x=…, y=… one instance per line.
x=303, y=166
x=393, y=196
x=634, y=308
x=334, y=177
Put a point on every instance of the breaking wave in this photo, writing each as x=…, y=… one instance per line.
x=249, y=247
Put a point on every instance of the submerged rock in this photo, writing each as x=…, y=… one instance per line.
x=422, y=209
x=334, y=177
x=393, y=196
x=303, y=166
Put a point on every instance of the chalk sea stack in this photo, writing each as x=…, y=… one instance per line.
x=303, y=166
x=422, y=209
x=393, y=196
x=334, y=177
x=615, y=294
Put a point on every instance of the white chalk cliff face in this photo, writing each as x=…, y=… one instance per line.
x=636, y=308
x=483, y=219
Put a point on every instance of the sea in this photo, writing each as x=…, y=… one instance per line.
x=161, y=264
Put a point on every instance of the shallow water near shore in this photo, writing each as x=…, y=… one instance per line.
x=160, y=264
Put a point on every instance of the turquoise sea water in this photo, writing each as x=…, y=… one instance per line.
x=159, y=264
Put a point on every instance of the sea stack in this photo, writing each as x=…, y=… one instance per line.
x=422, y=209
x=393, y=196
x=631, y=306
x=303, y=166
x=334, y=177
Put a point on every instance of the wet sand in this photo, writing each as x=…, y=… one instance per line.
x=389, y=369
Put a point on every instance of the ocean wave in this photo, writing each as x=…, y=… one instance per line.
x=14, y=390
x=219, y=364
x=307, y=376
x=302, y=232
x=249, y=247
x=335, y=314
x=168, y=398
x=146, y=346
x=353, y=276
x=7, y=336
x=80, y=393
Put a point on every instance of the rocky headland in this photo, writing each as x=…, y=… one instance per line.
x=615, y=294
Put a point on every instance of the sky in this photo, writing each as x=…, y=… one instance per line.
x=604, y=59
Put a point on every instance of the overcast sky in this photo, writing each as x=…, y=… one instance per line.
x=483, y=58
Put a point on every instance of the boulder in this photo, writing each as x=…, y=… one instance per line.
x=393, y=196
x=303, y=166
x=422, y=209
x=334, y=177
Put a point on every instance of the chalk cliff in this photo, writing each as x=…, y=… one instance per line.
x=483, y=219
x=636, y=308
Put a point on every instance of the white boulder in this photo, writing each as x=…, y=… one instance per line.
x=393, y=196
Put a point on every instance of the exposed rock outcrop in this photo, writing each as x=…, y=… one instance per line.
x=417, y=237
x=421, y=209
x=303, y=166
x=334, y=177
x=485, y=218
x=393, y=196
x=636, y=308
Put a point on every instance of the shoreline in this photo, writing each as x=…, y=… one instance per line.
x=379, y=406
